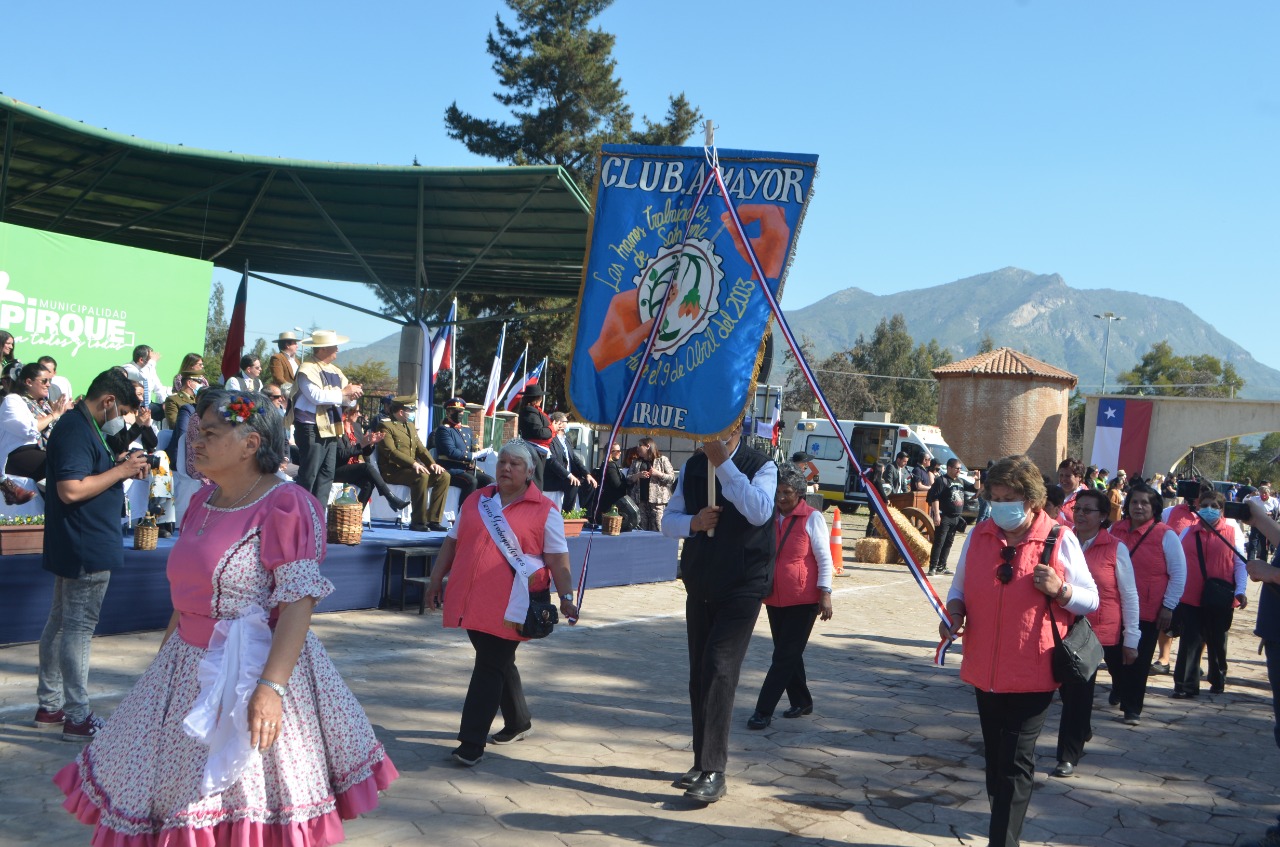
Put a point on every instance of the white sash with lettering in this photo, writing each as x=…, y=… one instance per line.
x=525, y=566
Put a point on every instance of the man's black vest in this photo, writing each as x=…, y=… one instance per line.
x=739, y=560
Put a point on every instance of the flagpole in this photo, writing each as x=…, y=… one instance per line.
x=524, y=365
x=453, y=352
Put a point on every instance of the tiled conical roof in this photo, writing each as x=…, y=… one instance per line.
x=1004, y=361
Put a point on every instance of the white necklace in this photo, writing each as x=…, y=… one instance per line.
x=208, y=510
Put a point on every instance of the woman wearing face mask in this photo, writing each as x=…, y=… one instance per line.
x=1000, y=602
x=26, y=417
x=1214, y=551
x=1160, y=573
x=1115, y=622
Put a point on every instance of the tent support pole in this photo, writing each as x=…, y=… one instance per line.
x=244, y=224
x=419, y=251
x=8, y=157
x=88, y=189
x=63, y=180
x=199, y=195
x=333, y=300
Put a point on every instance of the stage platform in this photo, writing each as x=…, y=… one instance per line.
x=138, y=596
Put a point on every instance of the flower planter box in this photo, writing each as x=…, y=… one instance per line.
x=21, y=540
x=573, y=527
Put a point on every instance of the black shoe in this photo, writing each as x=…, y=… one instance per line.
x=1217, y=689
x=437, y=527
x=1064, y=769
x=419, y=527
x=510, y=736
x=759, y=721
x=689, y=777
x=944, y=572
x=468, y=754
x=707, y=788
x=396, y=504
x=1114, y=699
x=1159, y=668
x=798, y=711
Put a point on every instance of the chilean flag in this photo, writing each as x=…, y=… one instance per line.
x=1120, y=438
x=493, y=393
x=513, y=399
x=235, y=330
x=771, y=428
x=442, y=344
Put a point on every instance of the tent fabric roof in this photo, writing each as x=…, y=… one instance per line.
x=500, y=230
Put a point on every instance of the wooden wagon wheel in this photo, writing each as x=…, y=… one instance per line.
x=920, y=521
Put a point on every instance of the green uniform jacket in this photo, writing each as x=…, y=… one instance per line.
x=401, y=447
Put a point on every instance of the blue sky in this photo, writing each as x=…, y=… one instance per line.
x=1127, y=145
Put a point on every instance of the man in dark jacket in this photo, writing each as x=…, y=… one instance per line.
x=564, y=471
x=455, y=451
x=726, y=576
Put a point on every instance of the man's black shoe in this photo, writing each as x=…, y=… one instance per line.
x=798, y=711
x=688, y=778
x=1114, y=699
x=1064, y=769
x=419, y=527
x=707, y=788
x=510, y=736
x=468, y=754
x=437, y=527
x=758, y=721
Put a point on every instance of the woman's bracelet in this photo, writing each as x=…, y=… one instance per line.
x=274, y=686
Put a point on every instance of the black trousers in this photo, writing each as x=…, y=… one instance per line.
x=790, y=627
x=466, y=481
x=28, y=460
x=1076, y=725
x=1131, y=680
x=495, y=685
x=365, y=477
x=1011, y=723
x=1203, y=630
x=943, y=535
x=319, y=460
x=719, y=632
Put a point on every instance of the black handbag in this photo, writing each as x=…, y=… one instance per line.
x=630, y=512
x=1077, y=656
x=1217, y=594
x=542, y=617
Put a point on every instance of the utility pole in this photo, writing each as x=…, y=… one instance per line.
x=1106, y=350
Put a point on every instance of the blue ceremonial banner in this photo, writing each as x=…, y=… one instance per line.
x=662, y=236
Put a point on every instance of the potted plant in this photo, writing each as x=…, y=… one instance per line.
x=574, y=521
x=21, y=535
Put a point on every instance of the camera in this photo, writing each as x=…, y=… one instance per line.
x=153, y=461
x=1188, y=489
x=1237, y=511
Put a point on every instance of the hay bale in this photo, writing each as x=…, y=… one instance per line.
x=872, y=550
x=916, y=543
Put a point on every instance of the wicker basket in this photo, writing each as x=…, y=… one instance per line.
x=346, y=524
x=612, y=524
x=145, y=536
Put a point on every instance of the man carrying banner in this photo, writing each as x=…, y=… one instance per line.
x=726, y=576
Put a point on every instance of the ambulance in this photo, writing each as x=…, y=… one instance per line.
x=873, y=441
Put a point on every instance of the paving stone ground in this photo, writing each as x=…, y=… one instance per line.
x=891, y=755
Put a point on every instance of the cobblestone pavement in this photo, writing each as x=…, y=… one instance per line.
x=891, y=755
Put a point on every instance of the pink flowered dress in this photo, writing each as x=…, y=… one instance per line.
x=138, y=783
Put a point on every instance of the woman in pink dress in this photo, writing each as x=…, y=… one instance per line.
x=241, y=731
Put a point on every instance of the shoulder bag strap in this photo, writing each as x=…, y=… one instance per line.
x=790, y=525
x=1046, y=555
x=1204, y=573
x=1134, y=548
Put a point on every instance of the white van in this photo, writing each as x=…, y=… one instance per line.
x=872, y=442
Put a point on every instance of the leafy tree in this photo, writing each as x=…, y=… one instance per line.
x=215, y=330
x=1160, y=370
x=261, y=352
x=373, y=374
x=1260, y=462
x=557, y=79
x=987, y=344
x=1075, y=424
x=891, y=352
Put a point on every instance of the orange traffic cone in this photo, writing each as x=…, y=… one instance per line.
x=837, y=544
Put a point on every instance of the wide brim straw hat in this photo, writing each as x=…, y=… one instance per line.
x=287, y=336
x=324, y=338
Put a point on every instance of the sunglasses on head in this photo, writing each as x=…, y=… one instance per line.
x=1004, y=573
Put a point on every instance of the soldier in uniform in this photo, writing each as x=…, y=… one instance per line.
x=404, y=460
x=455, y=450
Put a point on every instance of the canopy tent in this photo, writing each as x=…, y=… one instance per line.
x=518, y=231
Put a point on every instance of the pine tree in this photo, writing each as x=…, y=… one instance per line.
x=557, y=79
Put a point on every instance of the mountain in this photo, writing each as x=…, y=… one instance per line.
x=385, y=350
x=1036, y=313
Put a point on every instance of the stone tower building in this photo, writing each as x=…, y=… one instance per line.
x=1004, y=402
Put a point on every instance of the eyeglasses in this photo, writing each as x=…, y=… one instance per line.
x=42, y=380
x=1088, y=511
x=276, y=396
x=1004, y=573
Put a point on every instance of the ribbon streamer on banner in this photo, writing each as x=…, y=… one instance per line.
x=879, y=506
x=631, y=391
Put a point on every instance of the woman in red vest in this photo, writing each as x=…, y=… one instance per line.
x=483, y=595
x=801, y=591
x=998, y=603
x=1214, y=551
x=1115, y=622
x=1177, y=518
x=1160, y=573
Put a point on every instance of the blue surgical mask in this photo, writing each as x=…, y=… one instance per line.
x=1009, y=516
x=1210, y=515
x=413, y=416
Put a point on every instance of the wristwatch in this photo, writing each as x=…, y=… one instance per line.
x=567, y=597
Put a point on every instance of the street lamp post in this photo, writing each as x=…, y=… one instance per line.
x=1106, y=349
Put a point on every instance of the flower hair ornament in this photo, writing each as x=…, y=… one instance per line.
x=238, y=409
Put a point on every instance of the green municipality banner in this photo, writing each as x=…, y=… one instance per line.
x=88, y=304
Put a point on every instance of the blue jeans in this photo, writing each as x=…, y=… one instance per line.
x=64, y=645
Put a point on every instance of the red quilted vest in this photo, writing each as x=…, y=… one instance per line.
x=1150, y=570
x=795, y=571
x=1101, y=558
